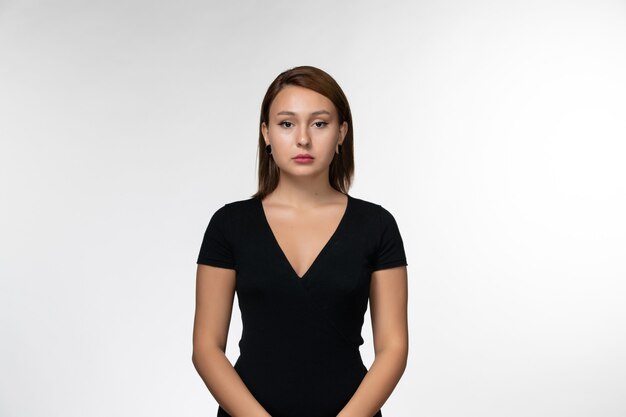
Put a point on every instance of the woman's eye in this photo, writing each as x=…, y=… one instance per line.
x=286, y=124
x=320, y=124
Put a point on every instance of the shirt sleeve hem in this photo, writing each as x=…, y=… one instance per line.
x=391, y=264
x=215, y=262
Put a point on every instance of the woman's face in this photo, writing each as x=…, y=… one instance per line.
x=302, y=121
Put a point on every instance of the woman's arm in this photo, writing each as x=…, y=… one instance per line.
x=215, y=292
x=388, y=309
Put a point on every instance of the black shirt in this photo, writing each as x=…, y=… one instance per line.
x=299, y=348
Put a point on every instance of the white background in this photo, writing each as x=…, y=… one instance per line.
x=493, y=131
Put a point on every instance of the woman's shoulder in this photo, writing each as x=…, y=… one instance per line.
x=370, y=206
x=239, y=207
x=380, y=213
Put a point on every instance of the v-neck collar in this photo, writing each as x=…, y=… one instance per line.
x=321, y=252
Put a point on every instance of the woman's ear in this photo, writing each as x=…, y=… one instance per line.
x=264, y=132
x=343, y=131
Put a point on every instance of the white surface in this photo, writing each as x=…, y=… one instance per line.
x=499, y=125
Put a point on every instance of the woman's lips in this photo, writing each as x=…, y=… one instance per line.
x=303, y=158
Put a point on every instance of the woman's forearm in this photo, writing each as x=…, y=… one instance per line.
x=225, y=384
x=378, y=383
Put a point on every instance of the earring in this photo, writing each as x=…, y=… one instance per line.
x=339, y=149
x=268, y=149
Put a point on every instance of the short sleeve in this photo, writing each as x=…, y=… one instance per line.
x=390, y=249
x=216, y=248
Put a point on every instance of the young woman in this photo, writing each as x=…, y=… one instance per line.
x=304, y=258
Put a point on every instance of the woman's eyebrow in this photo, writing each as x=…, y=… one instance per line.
x=315, y=113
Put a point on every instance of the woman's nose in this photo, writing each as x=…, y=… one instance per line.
x=303, y=135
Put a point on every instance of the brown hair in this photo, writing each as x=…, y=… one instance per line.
x=341, y=168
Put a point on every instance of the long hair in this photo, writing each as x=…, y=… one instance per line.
x=341, y=168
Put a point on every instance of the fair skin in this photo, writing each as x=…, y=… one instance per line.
x=303, y=211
